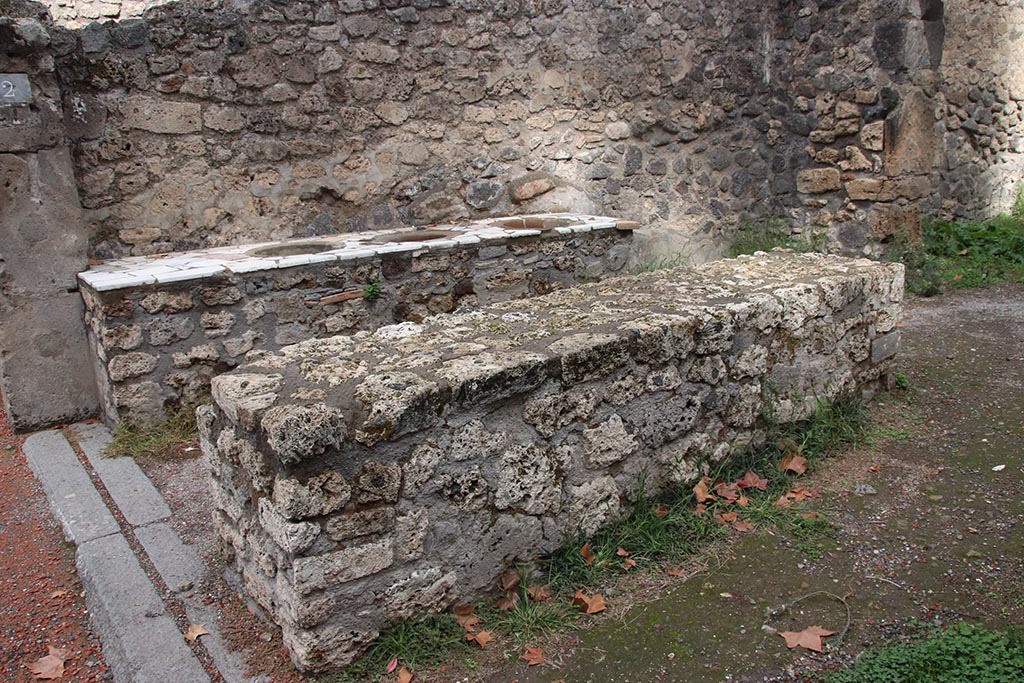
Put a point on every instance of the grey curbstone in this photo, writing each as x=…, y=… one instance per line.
x=128, y=485
x=230, y=664
x=179, y=565
x=74, y=500
x=141, y=642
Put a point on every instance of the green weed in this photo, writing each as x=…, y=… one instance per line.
x=962, y=254
x=159, y=439
x=529, y=620
x=372, y=291
x=770, y=233
x=902, y=381
x=964, y=652
x=416, y=644
x=660, y=263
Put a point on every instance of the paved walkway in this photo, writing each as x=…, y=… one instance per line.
x=136, y=572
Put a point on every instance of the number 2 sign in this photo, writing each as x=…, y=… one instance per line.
x=15, y=89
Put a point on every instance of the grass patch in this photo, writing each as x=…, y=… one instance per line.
x=964, y=652
x=156, y=440
x=665, y=529
x=963, y=254
x=416, y=644
x=771, y=233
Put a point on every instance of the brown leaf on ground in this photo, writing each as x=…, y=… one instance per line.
x=590, y=605
x=194, y=631
x=51, y=666
x=675, y=571
x=726, y=518
x=508, y=604
x=730, y=493
x=701, y=490
x=809, y=638
x=482, y=638
x=404, y=675
x=743, y=502
x=742, y=525
x=795, y=463
x=622, y=552
x=660, y=510
x=392, y=665
x=700, y=509
x=751, y=480
x=628, y=564
x=466, y=619
x=784, y=503
x=588, y=556
x=809, y=515
x=509, y=581
x=533, y=656
x=539, y=593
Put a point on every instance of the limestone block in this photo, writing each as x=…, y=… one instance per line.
x=608, y=442
x=528, y=481
x=128, y=365
x=167, y=302
x=341, y=566
x=322, y=494
x=124, y=337
x=818, y=180
x=243, y=397
x=296, y=433
x=164, y=331
x=360, y=523
x=593, y=504
x=162, y=115
x=291, y=537
x=872, y=136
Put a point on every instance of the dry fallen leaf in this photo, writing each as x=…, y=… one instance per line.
x=730, y=493
x=660, y=510
x=590, y=605
x=628, y=564
x=509, y=581
x=51, y=666
x=481, y=639
x=742, y=525
x=404, y=675
x=675, y=571
x=539, y=593
x=588, y=556
x=195, y=631
x=701, y=491
x=700, y=509
x=726, y=518
x=751, y=480
x=809, y=638
x=508, y=604
x=622, y=552
x=392, y=665
x=795, y=463
x=533, y=656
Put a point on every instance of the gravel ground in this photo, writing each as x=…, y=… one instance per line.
x=41, y=602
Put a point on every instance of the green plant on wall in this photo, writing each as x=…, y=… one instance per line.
x=372, y=291
x=765, y=234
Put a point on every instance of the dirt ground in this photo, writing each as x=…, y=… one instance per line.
x=929, y=520
x=41, y=603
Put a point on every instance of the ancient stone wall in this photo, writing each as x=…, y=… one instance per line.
x=363, y=480
x=42, y=241
x=205, y=123
x=157, y=346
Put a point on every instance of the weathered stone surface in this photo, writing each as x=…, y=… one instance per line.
x=818, y=180
x=450, y=479
x=531, y=185
x=163, y=116
x=128, y=365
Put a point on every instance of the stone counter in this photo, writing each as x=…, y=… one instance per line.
x=161, y=326
x=362, y=480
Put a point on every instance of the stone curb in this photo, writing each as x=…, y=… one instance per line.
x=141, y=641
